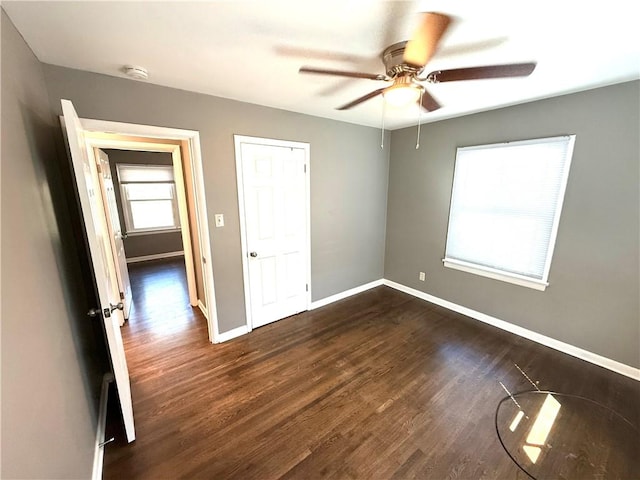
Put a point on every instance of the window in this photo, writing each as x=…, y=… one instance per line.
x=505, y=209
x=148, y=198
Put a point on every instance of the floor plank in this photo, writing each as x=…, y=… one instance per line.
x=379, y=385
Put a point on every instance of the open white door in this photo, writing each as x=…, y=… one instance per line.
x=114, y=229
x=86, y=175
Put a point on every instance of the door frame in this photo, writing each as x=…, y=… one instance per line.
x=239, y=139
x=170, y=140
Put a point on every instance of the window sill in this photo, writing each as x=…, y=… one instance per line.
x=137, y=233
x=495, y=274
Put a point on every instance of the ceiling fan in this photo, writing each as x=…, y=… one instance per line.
x=405, y=62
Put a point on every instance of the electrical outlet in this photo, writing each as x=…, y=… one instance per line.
x=421, y=277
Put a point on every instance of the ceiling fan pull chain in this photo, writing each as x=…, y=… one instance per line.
x=419, y=118
x=382, y=129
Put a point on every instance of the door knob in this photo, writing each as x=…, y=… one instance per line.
x=94, y=312
x=253, y=254
x=118, y=306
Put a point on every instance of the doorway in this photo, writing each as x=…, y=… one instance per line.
x=274, y=204
x=140, y=196
x=184, y=149
x=83, y=136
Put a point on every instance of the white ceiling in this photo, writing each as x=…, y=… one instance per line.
x=251, y=50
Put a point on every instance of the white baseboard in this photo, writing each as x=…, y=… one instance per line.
x=231, y=334
x=563, y=347
x=203, y=309
x=98, y=453
x=347, y=293
x=155, y=256
x=236, y=332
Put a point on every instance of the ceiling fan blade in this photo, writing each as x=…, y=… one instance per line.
x=429, y=103
x=358, y=101
x=343, y=73
x=426, y=38
x=478, y=73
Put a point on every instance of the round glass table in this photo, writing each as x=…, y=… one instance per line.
x=558, y=435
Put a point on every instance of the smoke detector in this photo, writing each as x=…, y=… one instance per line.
x=136, y=72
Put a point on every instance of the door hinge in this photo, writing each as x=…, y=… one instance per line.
x=307, y=287
x=99, y=168
x=305, y=168
x=121, y=295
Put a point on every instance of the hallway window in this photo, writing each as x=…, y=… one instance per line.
x=149, y=198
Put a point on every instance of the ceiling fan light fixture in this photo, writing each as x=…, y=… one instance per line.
x=402, y=95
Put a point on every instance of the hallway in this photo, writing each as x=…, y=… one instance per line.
x=160, y=301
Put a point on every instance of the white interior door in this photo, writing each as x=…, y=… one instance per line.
x=93, y=211
x=115, y=230
x=275, y=201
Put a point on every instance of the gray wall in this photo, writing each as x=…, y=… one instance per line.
x=592, y=300
x=141, y=245
x=349, y=174
x=51, y=363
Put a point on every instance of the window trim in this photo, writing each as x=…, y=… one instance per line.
x=130, y=231
x=502, y=275
x=495, y=274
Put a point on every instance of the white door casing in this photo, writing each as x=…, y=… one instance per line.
x=93, y=212
x=115, y=229
x=273, y=191
x=97, y=129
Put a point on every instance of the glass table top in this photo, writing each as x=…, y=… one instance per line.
x=563, y=436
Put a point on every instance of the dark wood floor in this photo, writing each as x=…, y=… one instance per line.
x=380, y=385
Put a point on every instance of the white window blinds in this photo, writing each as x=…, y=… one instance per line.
x=505, y=208
x=148, y=198
x=145, y=173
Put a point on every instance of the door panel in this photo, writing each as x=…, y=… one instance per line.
x=115, y=230
x=274, y=188
x=93, y=212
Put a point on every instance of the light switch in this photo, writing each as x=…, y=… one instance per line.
x=219, y=220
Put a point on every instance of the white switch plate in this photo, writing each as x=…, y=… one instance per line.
x=219, y=220
x=421, y=276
